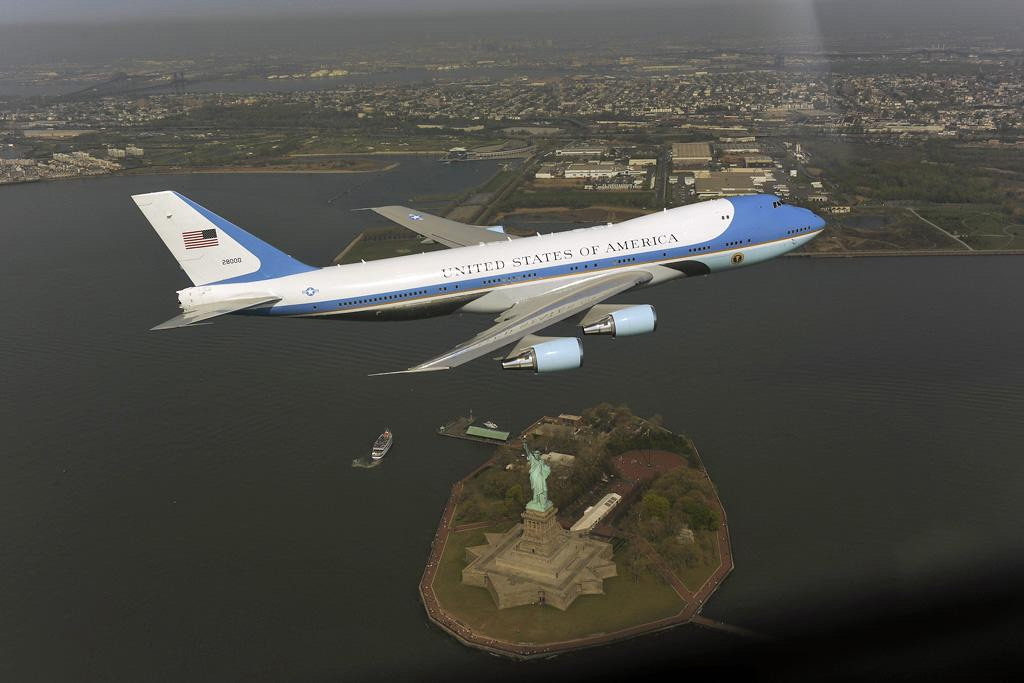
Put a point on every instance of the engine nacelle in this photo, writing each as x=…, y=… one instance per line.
x=547, y=356
x=625, y=322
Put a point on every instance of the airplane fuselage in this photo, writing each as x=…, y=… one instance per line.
x=697, y=239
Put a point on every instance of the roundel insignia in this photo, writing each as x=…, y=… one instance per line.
x=737, y=258
x=310, y=291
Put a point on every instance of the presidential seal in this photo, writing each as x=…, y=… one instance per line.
x=737, y=258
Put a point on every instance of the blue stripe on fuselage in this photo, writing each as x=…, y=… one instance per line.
x=742, y=233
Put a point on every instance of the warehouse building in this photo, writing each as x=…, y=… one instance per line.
x=691, y=153
x=724, y=185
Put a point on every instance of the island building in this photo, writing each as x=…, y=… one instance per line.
x=485, y=433
x=593, y=515
x=537, y=561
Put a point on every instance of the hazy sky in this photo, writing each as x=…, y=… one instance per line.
x=30, y=11
x=92, y=31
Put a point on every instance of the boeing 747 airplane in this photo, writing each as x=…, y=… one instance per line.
x=529, y=282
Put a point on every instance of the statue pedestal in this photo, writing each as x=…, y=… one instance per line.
x=539, y=562
x=542, y=534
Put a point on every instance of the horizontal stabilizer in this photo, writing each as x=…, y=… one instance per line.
x=207, y=311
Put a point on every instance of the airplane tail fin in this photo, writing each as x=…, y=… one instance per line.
x=210, y=249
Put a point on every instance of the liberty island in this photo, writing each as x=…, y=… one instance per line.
x=548, y=582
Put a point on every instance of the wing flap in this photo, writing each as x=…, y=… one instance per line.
x=207, y=311
x=447, y=232
x=534, y=314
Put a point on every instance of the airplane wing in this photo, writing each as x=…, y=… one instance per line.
x=533, y=314
x=212, y=310
x=448, y=233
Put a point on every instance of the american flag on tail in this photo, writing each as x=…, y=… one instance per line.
x=197, y=239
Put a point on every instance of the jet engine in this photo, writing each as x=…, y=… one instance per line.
x=620, y=321
x=545, y=354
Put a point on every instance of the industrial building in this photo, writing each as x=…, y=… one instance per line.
x=758, y=161
x=724, y=185
x=582, y=151
x=740, y=148
x=691, y=153
x=548, y=171
x=595, y=169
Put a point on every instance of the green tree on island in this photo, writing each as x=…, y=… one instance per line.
x=655, y=506
x=514, y=498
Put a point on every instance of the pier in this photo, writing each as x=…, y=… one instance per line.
x=466, y=428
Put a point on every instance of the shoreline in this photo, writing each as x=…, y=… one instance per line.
x=907, y=252
x=263, y=169
x=245, y=170
x=214, y=170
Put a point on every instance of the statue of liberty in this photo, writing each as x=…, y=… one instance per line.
x=539, y=471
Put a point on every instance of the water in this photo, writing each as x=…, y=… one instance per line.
x=183, y=506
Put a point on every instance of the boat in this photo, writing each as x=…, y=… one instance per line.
x=382, y=444
x=490, y=425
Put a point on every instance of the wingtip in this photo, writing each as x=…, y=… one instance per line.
x=409, y=371
x=169, y=325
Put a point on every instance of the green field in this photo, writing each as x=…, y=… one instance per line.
x=979, y=225
x=991, y=179
x=498, y=181
x=575, y=199
x=626, y=603
x=879, y=228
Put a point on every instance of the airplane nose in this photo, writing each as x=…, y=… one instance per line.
x=817, y=222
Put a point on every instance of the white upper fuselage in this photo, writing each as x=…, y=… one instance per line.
x=490, y=277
